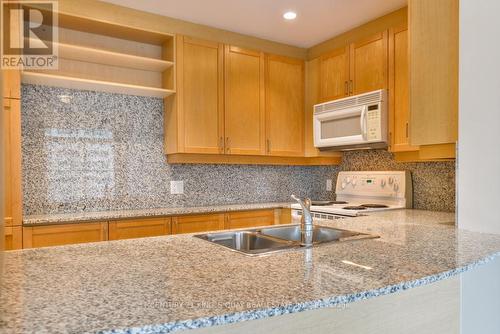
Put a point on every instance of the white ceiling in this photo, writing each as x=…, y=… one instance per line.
x=317, y=20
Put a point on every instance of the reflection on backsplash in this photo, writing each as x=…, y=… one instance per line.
x=91, y=164
x=94, y=151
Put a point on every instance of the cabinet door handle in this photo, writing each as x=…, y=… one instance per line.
x=346, y=88
x=228, y=147
x=406, y=129
x=268, y=146
x=350, y=86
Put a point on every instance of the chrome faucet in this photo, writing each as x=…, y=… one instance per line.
x=306, y=222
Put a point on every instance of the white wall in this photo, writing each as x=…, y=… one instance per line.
x=478, y=177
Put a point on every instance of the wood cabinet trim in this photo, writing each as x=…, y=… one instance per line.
x=13, y=177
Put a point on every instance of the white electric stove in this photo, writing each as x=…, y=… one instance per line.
x=359, y=193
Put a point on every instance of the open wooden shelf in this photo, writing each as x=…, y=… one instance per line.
x=98, y=55
x=93, y=85
x=105, y=57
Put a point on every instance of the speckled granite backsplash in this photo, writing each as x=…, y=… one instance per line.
x=93, y=151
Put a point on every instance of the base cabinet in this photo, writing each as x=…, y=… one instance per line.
x=139, y=228
x=197, y=223
x=55, y=235
x=17, y=237
x=249, y=219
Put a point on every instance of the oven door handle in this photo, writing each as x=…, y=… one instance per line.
x=363, y=123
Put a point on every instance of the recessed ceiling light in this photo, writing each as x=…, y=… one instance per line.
x=290, y=15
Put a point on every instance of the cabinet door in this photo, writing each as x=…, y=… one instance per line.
x=138, y=228
x=399, y=87
x=197, y=223
x=368, y=63
x=200, y=82
x=334, y=75
x=433, y=47
x=55, y=235
x=11, y=84
x=284, y=106
x=244, y=101
x=13, y=237
x=12, y=162
x=244, y=219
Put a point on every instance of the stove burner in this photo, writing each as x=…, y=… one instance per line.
x=324, y=203
x=374, y=206
x=354, y=208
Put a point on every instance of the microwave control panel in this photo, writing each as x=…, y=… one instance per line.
x=373, y=123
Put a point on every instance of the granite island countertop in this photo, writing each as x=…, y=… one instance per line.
x=178, y=282
x=79, y=217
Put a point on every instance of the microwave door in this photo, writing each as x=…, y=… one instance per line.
x=340, y=127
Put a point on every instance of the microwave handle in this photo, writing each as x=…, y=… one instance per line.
x=363, y=123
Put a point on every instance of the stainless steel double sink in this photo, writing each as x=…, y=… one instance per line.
x=267, y=240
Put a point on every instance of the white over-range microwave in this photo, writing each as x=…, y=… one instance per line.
x=354, y=122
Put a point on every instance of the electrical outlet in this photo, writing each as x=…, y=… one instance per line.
x=176, y=187
x=328, y=184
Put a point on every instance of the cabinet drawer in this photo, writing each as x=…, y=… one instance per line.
x=138, y=228
x=13, y=237
x=54, y=235
x=249, y=218
x=197, y=223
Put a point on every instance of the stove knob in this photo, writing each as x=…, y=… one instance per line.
x=343, y=185
x=348, y=180
x=354, y=181
x=382, y=183
x=391, y=180
x=396, y=187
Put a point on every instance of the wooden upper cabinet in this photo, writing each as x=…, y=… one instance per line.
x=11, y=133
x=11, y=84
x=433, y=47
x=399, y=87
x=334, y=75
x=244, y=101
x=284, y=106
x=200, y=95
x=197, y=223
x=368, y=64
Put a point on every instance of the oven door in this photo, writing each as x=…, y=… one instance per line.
x=340, y=127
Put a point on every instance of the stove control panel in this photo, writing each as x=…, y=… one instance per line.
x=395, y=184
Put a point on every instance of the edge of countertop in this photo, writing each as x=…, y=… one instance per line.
x=230, y=318
x=82, y=217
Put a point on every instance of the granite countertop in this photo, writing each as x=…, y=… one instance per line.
x=142, y=213
x=178, y=282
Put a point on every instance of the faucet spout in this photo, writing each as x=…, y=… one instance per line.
x=306, y=222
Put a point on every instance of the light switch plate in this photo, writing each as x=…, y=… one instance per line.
x=176, y=187
x=328, y=184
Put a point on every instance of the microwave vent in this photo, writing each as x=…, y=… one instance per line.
x=349, y=102
x=374, y=97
